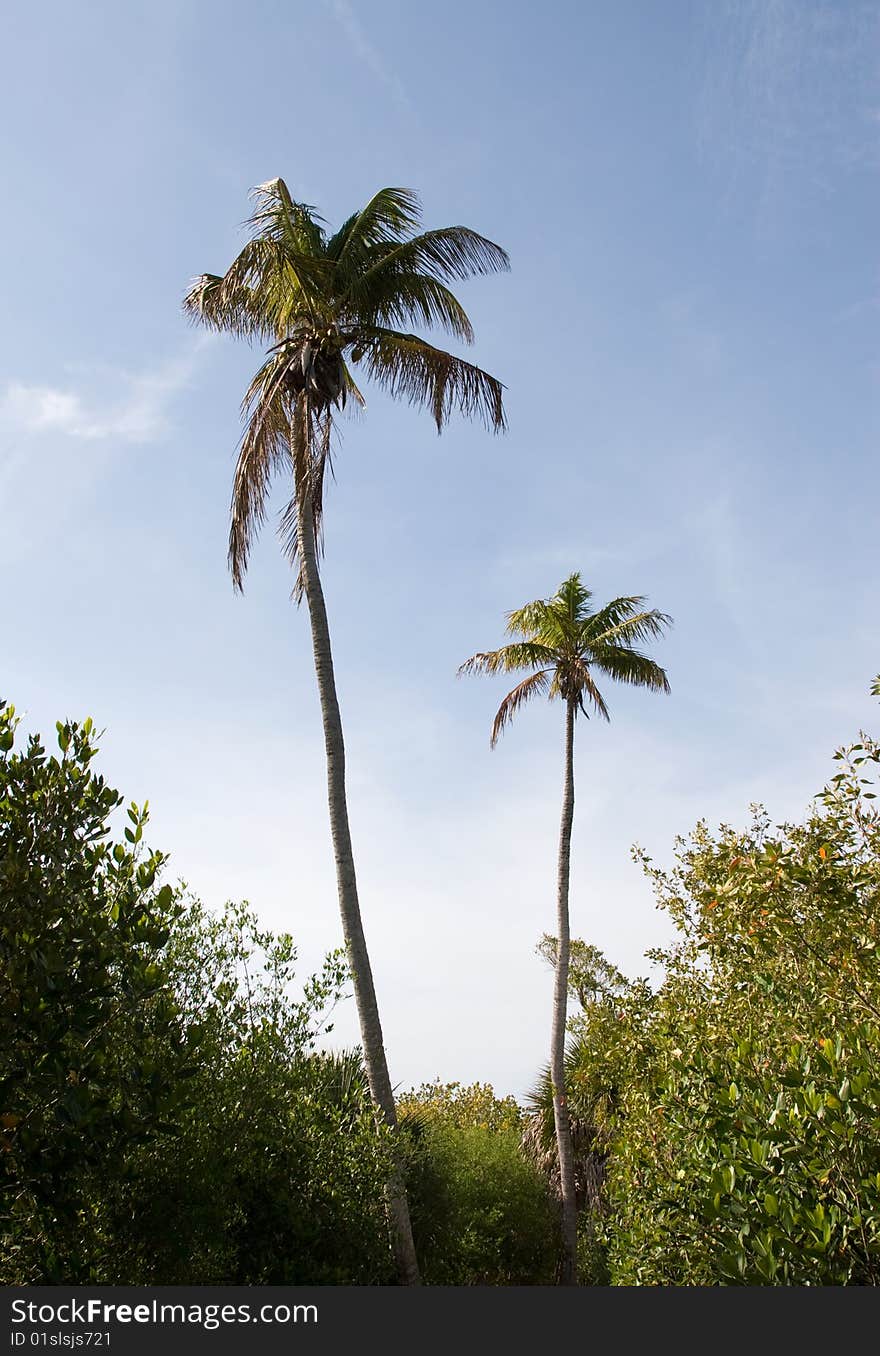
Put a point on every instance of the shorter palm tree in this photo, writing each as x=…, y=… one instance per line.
x=589, y=1113
x=561, y=642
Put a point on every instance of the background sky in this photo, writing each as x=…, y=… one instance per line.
x=689, y=196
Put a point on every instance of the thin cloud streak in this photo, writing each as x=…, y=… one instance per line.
x=367, y=53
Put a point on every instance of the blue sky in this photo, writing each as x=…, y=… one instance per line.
x=688, y=335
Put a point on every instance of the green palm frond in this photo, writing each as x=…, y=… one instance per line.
x=573, y=597
x=387, y=219
x=276, y=216
x=619, y=623
x=288, y=286
x=451, y=254
x=534, y=619
x=629, y=666
x=392, y=300
x=352, y=390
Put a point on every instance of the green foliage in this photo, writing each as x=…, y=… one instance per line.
x=164, y=1116
x=94, y=1056
x=591, y=976
x=595, y=1068
x=277, y=1169
x=481, y=1212
x=746, y=1145
x=462, y=1108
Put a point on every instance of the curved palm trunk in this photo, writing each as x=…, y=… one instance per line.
x=557, y=1037
x=359, y=961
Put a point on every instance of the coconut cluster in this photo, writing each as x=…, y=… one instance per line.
x=317, y=368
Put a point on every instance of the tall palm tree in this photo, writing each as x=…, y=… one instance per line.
x=326, y=305
x=561, y=644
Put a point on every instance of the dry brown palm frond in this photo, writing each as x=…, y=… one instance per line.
x=536, y=684
x=414, y=370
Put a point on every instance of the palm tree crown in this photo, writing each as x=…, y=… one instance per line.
x=326, y=304
x=564, y=643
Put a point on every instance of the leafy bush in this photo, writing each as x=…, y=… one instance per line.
x=746, y=1147
x=164, y=1117
x=481, y=1212
x=93, y=1053
x=276, y=1172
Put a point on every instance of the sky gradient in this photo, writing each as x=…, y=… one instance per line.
x=688, y=336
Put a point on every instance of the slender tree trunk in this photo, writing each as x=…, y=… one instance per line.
x=359, y=961
x=560, y=998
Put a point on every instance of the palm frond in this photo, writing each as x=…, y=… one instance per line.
x=452, y=253
x=399, y=299
x=411, y=369
x=336, y=243
x=289, y=284
x=543, y=619
x=264, y=293
x=352, y=390
x=590, y=1111
x=264, y=449
x=388, y=218
x=620, y=622
x=572, y=597
x=510, y=658
x=276, y=216
x=626, y=665
x=533, y=686
x=206, y=303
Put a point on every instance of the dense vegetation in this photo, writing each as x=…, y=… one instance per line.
x=166, y=1116
x=736, y=1110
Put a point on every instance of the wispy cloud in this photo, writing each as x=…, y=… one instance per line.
x=95, y=411
x=102, y=403
x=367, y=53
x=789, y=95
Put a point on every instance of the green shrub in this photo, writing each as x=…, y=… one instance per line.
x=164, y=1118
x=747, y=1141
x=94, y=1056
x=481, y=1213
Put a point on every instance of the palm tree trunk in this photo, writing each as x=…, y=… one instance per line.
x=557, y=1037
x=359, y=961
